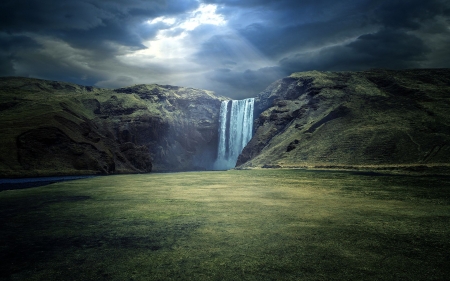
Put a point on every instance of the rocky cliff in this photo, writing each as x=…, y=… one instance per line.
x=335, y=119
x=376, y=118
x=55, y=128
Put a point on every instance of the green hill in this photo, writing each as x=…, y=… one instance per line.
x=377, y=118
x=56, y=128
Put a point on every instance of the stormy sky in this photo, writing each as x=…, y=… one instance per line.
x=233, y=47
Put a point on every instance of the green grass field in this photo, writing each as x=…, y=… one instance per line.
x=233, y=225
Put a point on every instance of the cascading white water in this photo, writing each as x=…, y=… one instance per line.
x=235, y=131
x=222, y=149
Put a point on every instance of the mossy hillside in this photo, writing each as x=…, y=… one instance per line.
x=114, y=127
x=235, y=225
x=377, y=117
x=26, y=106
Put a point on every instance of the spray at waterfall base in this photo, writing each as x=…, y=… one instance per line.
x=235, y=131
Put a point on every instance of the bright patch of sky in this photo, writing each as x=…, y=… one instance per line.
x=178, y=49
x=172, y=40
x=205, y=14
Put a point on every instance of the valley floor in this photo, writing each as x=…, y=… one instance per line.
x=262, y=224
x=439, y=169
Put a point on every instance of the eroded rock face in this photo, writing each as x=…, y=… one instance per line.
x=53, y=128
x=49, y=148
x=377, y=117
x=182, y=133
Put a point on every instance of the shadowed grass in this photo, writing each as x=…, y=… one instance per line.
x=234, y=225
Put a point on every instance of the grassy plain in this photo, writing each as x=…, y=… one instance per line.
x=233, y=225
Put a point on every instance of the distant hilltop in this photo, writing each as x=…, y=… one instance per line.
x=374, y=119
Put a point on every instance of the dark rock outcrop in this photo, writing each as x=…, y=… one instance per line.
x=377, y=117
x=55, y=128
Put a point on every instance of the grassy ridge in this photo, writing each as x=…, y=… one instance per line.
x=235, y=225
x=376, y=117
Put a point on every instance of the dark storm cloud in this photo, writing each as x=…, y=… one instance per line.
x=384, y=49
x=409, y=14
x=97, y=30
x=81, y=22
x=113, y=43
x=217, y=51
x=300, y=24
x=344, y=35
x=390, y=48
x=41, y=15
x=9, y=46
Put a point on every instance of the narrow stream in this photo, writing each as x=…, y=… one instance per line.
x=21, y=183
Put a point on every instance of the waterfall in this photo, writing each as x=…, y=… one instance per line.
x=235, y=131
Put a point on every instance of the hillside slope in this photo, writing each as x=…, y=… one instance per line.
x=376, y=117
x=56, y=128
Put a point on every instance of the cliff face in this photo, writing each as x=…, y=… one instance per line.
x=54, y=128
x=377, y=117
x=374, y=117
